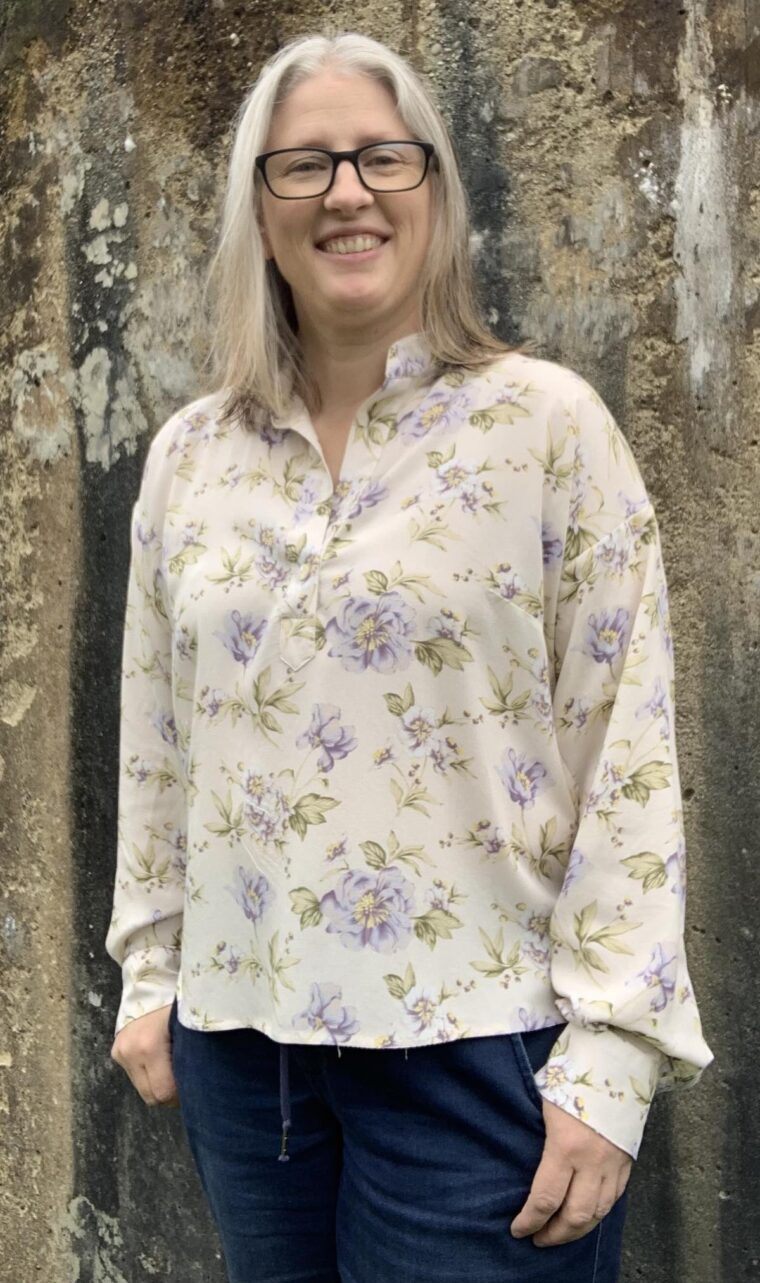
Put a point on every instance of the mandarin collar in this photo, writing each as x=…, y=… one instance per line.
x=408, y=359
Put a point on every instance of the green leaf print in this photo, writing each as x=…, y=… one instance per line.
x=504, y=706
x=187, y=556
x=306, y=904
x=378, y=583
x=644, y=780
x=232, y=817
x=235, y=573
x=416, y=798
x=278, y=965
x=505, y=412
x=436, y=924
x=310, y=809
x=499, y=966
x=399, y=988
x=604, y=937
x=374, y=854
x=648, y=868
x=442, y=652
x=148, y=867
x=399, y=704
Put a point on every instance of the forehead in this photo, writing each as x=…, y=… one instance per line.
x=336, y=110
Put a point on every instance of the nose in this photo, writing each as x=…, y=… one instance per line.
x=347, y=189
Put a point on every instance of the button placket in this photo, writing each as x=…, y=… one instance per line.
x=299, y=622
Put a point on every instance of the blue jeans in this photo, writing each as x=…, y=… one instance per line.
x=402, y=1170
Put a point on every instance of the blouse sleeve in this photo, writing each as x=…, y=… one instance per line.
x=146, y=923
x=618, y=964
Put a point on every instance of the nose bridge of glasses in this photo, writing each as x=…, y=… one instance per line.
x=352, y=160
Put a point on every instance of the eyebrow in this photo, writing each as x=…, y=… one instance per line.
x=364, y=141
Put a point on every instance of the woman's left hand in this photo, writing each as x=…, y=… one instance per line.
x=578, y=1181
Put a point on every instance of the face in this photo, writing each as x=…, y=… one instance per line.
x=382, y=285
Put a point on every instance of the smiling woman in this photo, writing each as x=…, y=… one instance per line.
x=398, y=770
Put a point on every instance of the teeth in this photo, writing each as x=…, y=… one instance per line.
x=351, y=244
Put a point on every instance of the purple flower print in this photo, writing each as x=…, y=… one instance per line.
x=266, y=807
x=660, y=975
x=371, y=909
x=529, y=1020
x=210, y=701
x=325, y=732
x=657, y=707
x=441, y=410
x=446, y=624
x=576, y=711
x=325, y=1014
x=372, y=634
x=308, y=498
x=675, y=867
x=272, y=435
x=574, y=866
x=612, y=553
x=520, y=779
x=606, y=635
x=167, y=728
x=368, y=497
x=420, y=728
x=632, y=505
x=145, y=537
x=508, y=582
x=443, y=751
x=252, y=893
x=242, y=635
x=421, y=1006
x=551, y=544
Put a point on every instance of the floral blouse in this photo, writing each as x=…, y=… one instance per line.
x=397, y=756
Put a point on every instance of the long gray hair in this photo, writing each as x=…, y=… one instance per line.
x=255, y=351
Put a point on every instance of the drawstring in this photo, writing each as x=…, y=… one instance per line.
x=284, y=1156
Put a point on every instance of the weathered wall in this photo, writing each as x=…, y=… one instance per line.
x=611, y=151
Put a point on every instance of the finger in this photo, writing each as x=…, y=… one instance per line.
x=547, y=1193
x=587, y=1202
x=141, y=1083
x=161, y=1084
x=623, y=1178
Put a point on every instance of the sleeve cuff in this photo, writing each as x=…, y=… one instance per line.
x=606, y=1077
x=149, y=982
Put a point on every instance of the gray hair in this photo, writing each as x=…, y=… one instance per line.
x=255, y=350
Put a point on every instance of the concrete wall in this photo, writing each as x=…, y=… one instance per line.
x=611, y=151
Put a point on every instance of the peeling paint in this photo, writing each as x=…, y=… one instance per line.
x=16, y=699
x=96, y=1237
x=40, y=404
x=703, y=246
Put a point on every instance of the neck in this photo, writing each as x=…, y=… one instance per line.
x=348, y=366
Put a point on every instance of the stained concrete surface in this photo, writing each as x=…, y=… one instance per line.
x=610, y=149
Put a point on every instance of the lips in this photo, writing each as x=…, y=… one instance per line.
x=348, y=235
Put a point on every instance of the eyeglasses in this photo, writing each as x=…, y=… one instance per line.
x=296, y=173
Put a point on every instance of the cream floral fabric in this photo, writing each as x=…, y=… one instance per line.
x=397, y=758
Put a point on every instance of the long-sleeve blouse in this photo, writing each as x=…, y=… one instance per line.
x=397, y=757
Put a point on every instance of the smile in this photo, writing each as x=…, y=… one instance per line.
x=352, y=246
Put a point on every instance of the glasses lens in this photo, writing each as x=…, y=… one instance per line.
x=390, y=167
x=298, y=173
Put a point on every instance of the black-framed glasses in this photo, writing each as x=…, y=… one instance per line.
x=296, y=173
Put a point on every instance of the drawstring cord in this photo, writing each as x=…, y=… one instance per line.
x=284, y=1156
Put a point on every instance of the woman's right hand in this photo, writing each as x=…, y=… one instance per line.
x=143, y=1049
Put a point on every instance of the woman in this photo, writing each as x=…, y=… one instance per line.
x=401, y=866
